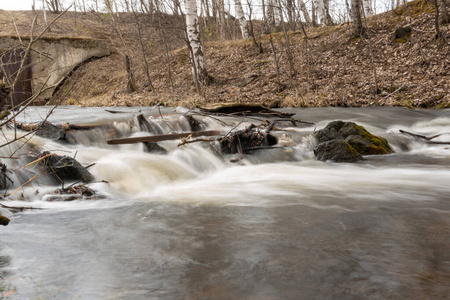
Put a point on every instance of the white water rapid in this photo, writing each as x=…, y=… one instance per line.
x=190, y=224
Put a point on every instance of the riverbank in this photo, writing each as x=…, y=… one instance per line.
x=331, y=69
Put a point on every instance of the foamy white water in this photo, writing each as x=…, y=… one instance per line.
x=189, y=224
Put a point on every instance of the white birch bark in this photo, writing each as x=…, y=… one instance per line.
x=241, y=18
x=302, y=6
x=320, y=8
x=269, y=13
x=44, y=11
x=193, y=34
x=276, y=12
x=367, y=8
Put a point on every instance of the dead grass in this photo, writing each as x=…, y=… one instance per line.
x=332, y=69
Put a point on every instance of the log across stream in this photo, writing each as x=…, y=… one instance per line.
x=185, y=220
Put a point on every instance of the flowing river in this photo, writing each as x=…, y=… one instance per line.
x=277, y=224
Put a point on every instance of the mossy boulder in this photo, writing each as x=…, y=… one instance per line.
x=356, y=136
x=337, y=151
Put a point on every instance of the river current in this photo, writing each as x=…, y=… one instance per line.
x=277, y=224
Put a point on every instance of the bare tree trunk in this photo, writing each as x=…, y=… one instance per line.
x=269, y=13
x=241, y=18
x=347, y=9
x=313, y=14
x=445, y=18
x=251, y=29
x=320, y=8
x=131, y=85
x=193, y=35
x=205, y=3
x=289, y=55
x=221, y=12
x=356, y=18
x=144, y=56
x=275, y=60
x=290, y=12
x=367, y=8
x=45, y=12
x=276, y=13
x=328, y=19
x=302, y=6
x=436, y=19
x=263, y=7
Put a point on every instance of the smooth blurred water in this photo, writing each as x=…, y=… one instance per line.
x=276, y=225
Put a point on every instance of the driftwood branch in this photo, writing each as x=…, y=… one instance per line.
x=21, y=208
x=428, y=139
x=163, y=137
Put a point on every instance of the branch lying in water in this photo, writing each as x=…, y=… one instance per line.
x=163, y=137
x=426, y=138
x=21, y=208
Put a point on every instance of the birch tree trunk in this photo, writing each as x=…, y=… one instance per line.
x=44, y=11
x=302, y=6
x=193, y=35
x=276, y=13
x=313, y=14
x=367, y=8
x=263, y=3
x=356, y=17
x=328, y=19
x=222, y=18
x=241, y=18
x=320, y=8
x=269, y=13
x=290, y=12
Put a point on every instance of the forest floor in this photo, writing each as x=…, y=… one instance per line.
x=330, y=67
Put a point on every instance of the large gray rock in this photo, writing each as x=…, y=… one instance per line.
x=49, y=131
x=66, y=168
x=356, y=136
x=337, y=151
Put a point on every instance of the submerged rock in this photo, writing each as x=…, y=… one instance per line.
x=245, y=140
x=4, y=220
x=337, y=151
x=153, y=147
x=71, y=193
x=49, y=131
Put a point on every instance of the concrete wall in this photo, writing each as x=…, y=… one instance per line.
x=53, y=59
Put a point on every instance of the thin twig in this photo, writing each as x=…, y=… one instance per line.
x=19, y=188
x=35, y=161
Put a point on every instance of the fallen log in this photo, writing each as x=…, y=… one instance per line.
x=162, y=137
x=120, y=112
x=18, y=208
x=242, y=109
x=67, y=126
